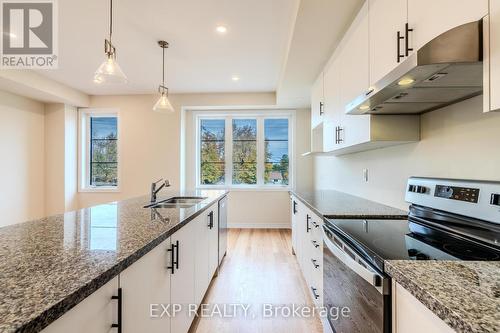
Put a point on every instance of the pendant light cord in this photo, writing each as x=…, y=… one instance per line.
x=110, y=20
x=163, y=64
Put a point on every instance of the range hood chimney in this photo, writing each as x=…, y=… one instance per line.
x=445, y=71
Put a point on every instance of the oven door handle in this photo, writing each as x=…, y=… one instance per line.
x=370, y=276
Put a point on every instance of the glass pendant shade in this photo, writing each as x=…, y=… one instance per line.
x=110, y=72
x=163, y=104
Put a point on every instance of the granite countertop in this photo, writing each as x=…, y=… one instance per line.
x=337, y=205
x=465, y=294
x=47, y=266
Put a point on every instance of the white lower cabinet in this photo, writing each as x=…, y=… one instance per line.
x=94, y=314
x=213, y=240
x=411, y=316
x=307, y=231
x=202, y=277
x=176, y=272
x=183, y=278
x=145, y=288
x=206, y=251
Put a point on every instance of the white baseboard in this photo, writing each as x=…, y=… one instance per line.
x=270, y=225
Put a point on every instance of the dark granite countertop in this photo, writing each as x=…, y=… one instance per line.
x=338, y=205
x=464, y=294
x=47, y=266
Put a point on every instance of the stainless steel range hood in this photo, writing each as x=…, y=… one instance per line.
x=446, y=70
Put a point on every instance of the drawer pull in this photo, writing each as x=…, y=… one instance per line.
x=316, y=245
x=314, y=263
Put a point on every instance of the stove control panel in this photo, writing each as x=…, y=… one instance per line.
x=457, y=193
x=417, y=189
x=471, y=198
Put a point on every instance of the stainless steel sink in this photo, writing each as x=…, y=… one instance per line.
x=177, y=202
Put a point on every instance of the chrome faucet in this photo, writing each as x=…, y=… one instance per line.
x=154, y=190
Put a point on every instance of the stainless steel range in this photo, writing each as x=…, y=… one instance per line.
x=448, y=220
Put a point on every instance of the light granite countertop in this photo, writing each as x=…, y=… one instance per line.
x=338, y=205
x=464, y=294
x=47, y=266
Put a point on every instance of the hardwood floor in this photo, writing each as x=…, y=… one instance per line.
x=259, y=269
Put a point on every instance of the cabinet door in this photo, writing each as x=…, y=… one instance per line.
x=213, y=241
x=427, y=18
x=182, y=280
x=354, y=74
x=387, y=17
x=294, y=213
x=332, y=106
x=145, y=286
x=494, y=56
x=202, y=277
x=317, y=102
x=411, y=316
x=94, y=314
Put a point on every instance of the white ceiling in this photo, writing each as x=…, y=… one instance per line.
x=199, y=59
x=318, y=29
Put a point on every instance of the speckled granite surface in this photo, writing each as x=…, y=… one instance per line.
x=334, y=204
x=49, y=265
x=465, y=294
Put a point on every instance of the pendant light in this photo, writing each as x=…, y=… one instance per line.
x=110, y=71
x=163, y=105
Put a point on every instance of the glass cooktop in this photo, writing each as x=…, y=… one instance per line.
x=379, y=240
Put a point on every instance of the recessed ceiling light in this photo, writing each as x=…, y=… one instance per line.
x=221, y=29
x=405, y=82
x=235, y=78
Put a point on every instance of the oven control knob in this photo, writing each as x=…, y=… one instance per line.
x=421, y=256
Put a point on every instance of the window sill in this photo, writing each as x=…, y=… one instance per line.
x=99, y=190
x=247, y=188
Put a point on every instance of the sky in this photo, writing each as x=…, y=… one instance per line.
x=103, y=126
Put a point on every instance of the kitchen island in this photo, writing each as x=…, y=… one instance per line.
x=48, y=266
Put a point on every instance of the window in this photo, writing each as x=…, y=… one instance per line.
x=99, y=150
x=243, y=151
x=276, y=151
x=212, y=151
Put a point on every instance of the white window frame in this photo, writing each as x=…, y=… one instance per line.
x=259, y=115
x=84, y=115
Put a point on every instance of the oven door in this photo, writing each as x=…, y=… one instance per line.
x=351, y=283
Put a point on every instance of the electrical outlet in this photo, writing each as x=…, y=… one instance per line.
x=365, y=175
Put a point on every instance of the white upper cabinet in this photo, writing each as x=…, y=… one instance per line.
x=493, y=84
x=354, y=75
x=317, y=102
x=387, y=18
x=430, y=18
x=332, y=116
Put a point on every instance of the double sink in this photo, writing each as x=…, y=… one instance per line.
x=177, y=202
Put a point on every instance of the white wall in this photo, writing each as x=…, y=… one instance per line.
x=458, y=141
x=54, y=159
x=22, y=155
x=60, y=158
